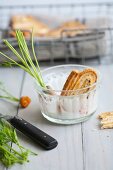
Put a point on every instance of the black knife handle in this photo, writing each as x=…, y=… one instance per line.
x=34, y=133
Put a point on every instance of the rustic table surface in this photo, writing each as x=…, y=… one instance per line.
x=80, y=147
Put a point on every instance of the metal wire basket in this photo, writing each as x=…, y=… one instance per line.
x=94, y=46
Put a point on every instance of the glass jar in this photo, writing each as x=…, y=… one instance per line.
x=66, y=109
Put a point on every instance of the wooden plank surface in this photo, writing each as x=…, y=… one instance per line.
x=12, y=79
x=67, y=155
x=82, y=146
x=98, y=144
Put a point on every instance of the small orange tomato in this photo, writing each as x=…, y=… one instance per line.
x=25, y=101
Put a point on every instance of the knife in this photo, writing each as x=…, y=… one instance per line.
x=37, y=135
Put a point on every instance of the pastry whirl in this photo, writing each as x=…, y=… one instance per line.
x=71, y=80
x=76, y=26
x=79, y=82
x=28, y=22
x=105, y=115
x=107, y=126
x=106, y=120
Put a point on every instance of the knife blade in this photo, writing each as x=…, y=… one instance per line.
x=34, y=133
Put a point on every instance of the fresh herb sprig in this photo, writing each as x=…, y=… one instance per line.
x=4, y=94
x=9, y=155
x=25, y=58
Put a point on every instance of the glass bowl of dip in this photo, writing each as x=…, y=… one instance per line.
x=66, y=109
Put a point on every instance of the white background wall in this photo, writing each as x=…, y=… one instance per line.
x=17, y=2
x=103, y=12
x=5, y=14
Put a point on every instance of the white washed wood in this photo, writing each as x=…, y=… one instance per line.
x=12, y=79
x=98, y=144
x=68, y=154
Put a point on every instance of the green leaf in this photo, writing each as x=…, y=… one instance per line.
x=25, y=58
x=9, y=155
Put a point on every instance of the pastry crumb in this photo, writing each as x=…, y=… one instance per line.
x=106, y=120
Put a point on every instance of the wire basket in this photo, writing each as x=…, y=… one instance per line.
x=92, y=47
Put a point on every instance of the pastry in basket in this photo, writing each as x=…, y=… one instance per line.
x=67, y=29
x=27, y=23
x=26, y=34
x=81, y=81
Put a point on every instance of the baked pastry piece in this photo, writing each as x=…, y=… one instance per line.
x=26, y=34
x=68, y=84
x=76, y=26
x=78, y=81
x=105, y=115
x=27, y=23
x=106, y=120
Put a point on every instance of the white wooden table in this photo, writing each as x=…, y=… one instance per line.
x=80, y=147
